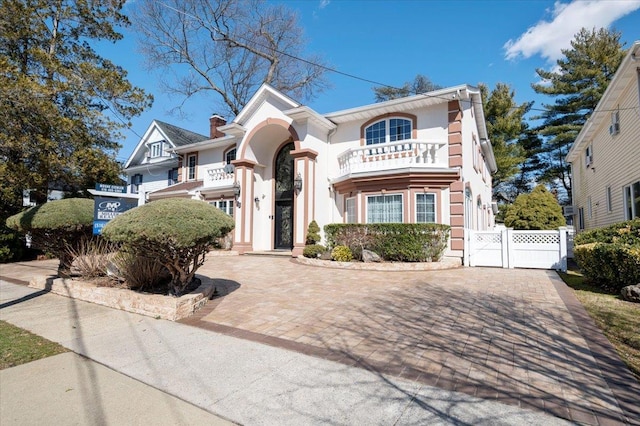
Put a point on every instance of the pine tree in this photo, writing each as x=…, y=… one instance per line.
x=505, y=127
x=577, y=85
x=537, y=210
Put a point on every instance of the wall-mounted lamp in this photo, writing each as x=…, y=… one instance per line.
x=236, y=192
x=257, y=201
x=297, y=183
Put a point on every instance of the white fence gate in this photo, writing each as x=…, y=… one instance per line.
x=519, y=249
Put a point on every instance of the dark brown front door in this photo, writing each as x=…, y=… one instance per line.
x=283, y=215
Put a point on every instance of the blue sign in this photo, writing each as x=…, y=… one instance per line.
x=107, y=208
x=116, y=189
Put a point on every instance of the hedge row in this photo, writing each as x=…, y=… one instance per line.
x=400, y=242
x=611, y=265
x=623, y=233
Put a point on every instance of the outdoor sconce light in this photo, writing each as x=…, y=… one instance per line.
x=236, y=192
x=257, y=201
x=297, y=183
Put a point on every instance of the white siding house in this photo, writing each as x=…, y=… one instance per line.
x=605, y=157
x=279, y=165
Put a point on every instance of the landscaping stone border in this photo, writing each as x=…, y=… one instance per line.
x=445, y=263
x=152, y=305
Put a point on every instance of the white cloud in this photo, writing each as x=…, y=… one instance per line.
x=324, y=3
x=548, y=38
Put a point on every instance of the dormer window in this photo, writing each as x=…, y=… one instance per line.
x=388, y=130
x=155, y=150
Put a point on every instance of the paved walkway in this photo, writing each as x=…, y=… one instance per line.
x=460, y=346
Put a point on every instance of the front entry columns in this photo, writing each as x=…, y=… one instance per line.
x=304, y=200
x=243, y=209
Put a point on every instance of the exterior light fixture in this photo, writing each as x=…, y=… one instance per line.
x=236, y=192
x=257, y=201
x=297, y=183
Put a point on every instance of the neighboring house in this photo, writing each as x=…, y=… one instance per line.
x=279, y=165
x=605, y=157
x=153, y=165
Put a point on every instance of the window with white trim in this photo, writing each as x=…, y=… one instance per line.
x=350, y=207
x=632, y=201
x=191, y=167
x=155, y=149
x=398, y=129
x=136, y=181
x=384, y=208
x=224, y=205
x=229, y=156
x=425, y=208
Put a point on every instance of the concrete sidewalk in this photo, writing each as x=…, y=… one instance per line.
x=69, y=389
x=244, y=381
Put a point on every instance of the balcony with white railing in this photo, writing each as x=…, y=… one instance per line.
x=219, y=176
x=394, y=155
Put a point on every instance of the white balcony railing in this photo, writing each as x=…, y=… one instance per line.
x=406, y=153
x=219, y=176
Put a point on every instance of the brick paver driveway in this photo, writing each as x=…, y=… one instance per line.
x=493, y=333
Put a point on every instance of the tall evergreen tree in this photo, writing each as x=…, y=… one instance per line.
x=505, y=127
x=577, y=85
x=62, y=103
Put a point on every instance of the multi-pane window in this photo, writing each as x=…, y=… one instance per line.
x=350, y=205
x=224, y=205
x=632, y=201
x=384, y=209
x=425, y=208
x=399, y=129
x=191, y=167
x=155, y=150
x=229, y=156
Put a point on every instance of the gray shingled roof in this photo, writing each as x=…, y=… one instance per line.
x=180, y=136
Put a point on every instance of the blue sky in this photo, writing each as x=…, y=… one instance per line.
x=390, y=42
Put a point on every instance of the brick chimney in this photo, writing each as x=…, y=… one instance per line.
x=216, y=121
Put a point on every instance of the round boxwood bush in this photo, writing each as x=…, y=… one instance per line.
x=341, y=254
x=175, y=231
x=56, y=226
x=536, y=210
x=313, y=251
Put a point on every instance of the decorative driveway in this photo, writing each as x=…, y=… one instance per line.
x=516, y=336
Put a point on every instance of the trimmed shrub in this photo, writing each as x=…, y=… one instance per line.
x=402, y=242
x=610, y=265
x=313, y=251
x=536, y=210
x=55, y=226
x=313, y=233
x=176, y=232
x=341, y=254
x=623, y=233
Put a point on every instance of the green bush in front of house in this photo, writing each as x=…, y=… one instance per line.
x=56, y=226
x=341, y=254
x=400, y=242
x=313, y=251
x=313, y=233
x=610, y=256
x=175, y=232
x=537, y=210
x=627, y=232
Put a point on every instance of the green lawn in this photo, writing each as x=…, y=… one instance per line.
x=619, y=320
x=18, y=346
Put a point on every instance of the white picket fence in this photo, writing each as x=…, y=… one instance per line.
x=507, y=248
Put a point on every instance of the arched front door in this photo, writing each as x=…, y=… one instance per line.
x=283, y=238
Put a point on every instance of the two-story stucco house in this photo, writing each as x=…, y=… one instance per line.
x=279, y=165
x=605, y=157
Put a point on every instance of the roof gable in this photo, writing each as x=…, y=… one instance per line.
x=264, y=92
x=175, y=136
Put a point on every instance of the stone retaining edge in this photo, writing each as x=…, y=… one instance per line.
x=152, y=305
x=445, y=263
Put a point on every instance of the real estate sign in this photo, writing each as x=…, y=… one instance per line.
x=106, y=208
